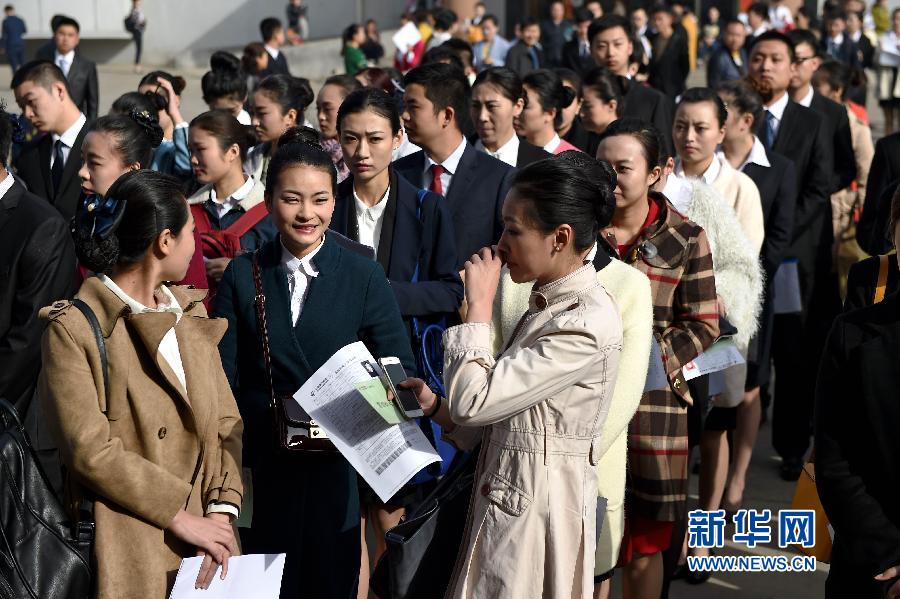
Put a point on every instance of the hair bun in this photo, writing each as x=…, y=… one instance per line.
x=602, y=177
x=566, y=96
x=150, y=124
x=224, y=61
x=300, y=135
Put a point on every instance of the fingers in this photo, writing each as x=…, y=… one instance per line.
x=889, y=573
x=412, y=383
x=225, y=567
x=207, y=568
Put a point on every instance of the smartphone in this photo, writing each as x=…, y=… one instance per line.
x=393, y=376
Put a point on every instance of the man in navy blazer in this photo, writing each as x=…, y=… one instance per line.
x=473, y=183
x=729, y=62
x=80, y=73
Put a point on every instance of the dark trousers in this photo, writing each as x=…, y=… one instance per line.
x=16, y=57
x=138, y=37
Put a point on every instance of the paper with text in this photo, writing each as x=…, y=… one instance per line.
x=386, y=455
x=720, y=355
x=256, y=575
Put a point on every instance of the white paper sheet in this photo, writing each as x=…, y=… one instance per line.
x=257, y=575
x=386, y=455
x=721, y=355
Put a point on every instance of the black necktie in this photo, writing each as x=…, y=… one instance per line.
x=56, y=170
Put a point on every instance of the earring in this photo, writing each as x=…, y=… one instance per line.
x=557, y=248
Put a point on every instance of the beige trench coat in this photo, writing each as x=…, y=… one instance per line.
x=539, y=408
x=140, y=457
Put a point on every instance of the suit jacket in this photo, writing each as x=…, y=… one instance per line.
x=519, y=60
x=846, y=52
x=863, y=279
x=82, y=80
x=836, y=119
x=865, y=52
x=414, y=241
x=721, y=67
x=33, y=167
x=858, y=449
x=528, y=153
x=277, y=66
x=884, y=173
x=37, y=266
x=668, y=71
x=475, y=197
x=652, y=106
x=572, y=58
x=777, y=186
x=580, y=137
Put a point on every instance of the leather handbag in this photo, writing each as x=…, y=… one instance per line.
x=422, y=550
x=295, y=430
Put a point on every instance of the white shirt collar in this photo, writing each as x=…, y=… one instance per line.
x=508, y=152
x=273, y=52
x=451, y=163
x=170, y=303
x=553, y=144
x=777, y=107
x=757, y=155
x=6, y=184
x=591, y=254
x=808, y=98
x=856, y=36
x=292, y=263
x=377, y=210
x=708, y=176
x=68, y=56
x=760, y=30
x=838, y=40
x=242, y=192
x=71, y=134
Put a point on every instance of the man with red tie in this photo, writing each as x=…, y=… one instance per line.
x=473, y=183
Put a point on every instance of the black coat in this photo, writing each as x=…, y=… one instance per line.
x=668, y=71
x=651, y=106
x=580, y=137
x=277, y=66
x=858, y=449
x=475, y=197
x=33, y=167
x=847, y=52
x=863, y=279
x=519, y=60
x=37, y=267
x=572, y=58
x=777, y=186
x=843, y=159
x=721, y=67
x=871, y=233
x=82, y=80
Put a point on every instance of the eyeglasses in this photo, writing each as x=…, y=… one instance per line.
x=802, y=59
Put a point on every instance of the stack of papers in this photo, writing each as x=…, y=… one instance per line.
x=257, y=576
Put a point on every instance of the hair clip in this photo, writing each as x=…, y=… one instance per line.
x=17, y=130
x=98, y=217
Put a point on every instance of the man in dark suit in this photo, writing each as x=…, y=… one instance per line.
x=576, y=54
x=526, y=55
x=807, y=60
x=729, y=62
x=272, y=33
x=13, y=30
x=38, y=267
x=799, y=134
x=871, y=233
x=49, y=165
x=473, y=183
x=80, y=73
x=612, y=44
x=555, y=32
x=837, y=44
x=669, y=64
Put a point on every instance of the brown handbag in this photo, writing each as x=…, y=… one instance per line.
x=295, y=430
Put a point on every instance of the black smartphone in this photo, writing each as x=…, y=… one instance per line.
x=394, y=375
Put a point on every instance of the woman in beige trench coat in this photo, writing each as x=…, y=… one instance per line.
x=539, y=406
x=163, y=456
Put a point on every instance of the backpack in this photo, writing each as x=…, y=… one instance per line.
x=41, y=559
x=225, y=243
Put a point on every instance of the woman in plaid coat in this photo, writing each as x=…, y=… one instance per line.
x=647, y=233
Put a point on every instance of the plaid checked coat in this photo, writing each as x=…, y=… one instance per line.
x=674, y=254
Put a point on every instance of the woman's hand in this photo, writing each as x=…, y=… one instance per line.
x=482, y=278
x=424, y=395
x=174, y=102
x=894, y=591
x=215, y=268
x=213, y=536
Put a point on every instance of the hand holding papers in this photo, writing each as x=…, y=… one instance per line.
x=386, y=455
x=720, y=355
x=257, y=576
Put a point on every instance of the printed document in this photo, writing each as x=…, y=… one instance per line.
x=386, y=455
x=257, y=575
x=721, y=355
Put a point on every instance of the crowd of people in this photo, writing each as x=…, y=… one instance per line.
x=578, y=221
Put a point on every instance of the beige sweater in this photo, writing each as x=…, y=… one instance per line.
x=740, y=193
x=631, y=291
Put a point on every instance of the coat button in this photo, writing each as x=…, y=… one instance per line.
x=677, y=383
x=485, y=489
x=162, y=433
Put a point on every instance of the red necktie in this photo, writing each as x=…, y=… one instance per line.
x=436, y=171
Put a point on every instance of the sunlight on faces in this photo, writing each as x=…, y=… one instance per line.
x=41, y=106
x=734, y=37
x=533, y=120
x=268, y=120
x=805, y=64
x=210, y=163
x=102, y=163
x=493, y=114
x=177, y=249
x=66, y=38
x=596, y=115
x=771, y=68
x=327, y=104
x=528, y=251
x=633, y=175
x=420, y=119
x=368, y=144
x=612, y=49
x=301, y=205
x=229, y=104
x=531, y=35
x=696, y=132
x=489, y=30
x=737, y=125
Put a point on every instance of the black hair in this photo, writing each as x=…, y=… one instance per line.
x=268, y=27
x=836, y=13
x=135, y=102
x=529, y=22
x=744, y=98
x=226, y=79
x=222, y=125
x=607, y=86
x=652, y=145
x=178, y=83
x=445, y=86
x=492, y=18
x=774, y=36
x=288, y=92
x=660, y=7
x=610, y=21
x=444, y=18
x=252, y=51
x=569, y=189
x=347, y=35
x=347, y=83
x=374, y=99
x=6, y=134
x=804, y=36
x=9, y=7
x=836, y=74
x=760, y=9
x=443, y=54
x=733, y=21
x=697, y=95
x=299, y=146
x=572, y=78
x=463, y=49
x=64, y=21
x=583, y=15
x=551, y=93
x=504, y=79
x=39, y=72
x=136, y=134
x=154, y=203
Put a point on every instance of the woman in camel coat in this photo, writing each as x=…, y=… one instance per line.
x=162, y=457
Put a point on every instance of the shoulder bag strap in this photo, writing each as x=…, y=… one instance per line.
x=881, y=286
x=101, y=345
x=248, y=220
x=260, y=303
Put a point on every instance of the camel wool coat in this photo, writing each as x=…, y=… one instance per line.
x=139, y=458
x=539, y=408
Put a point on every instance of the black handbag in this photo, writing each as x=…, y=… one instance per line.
x=422, y=550
x=41, y=558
